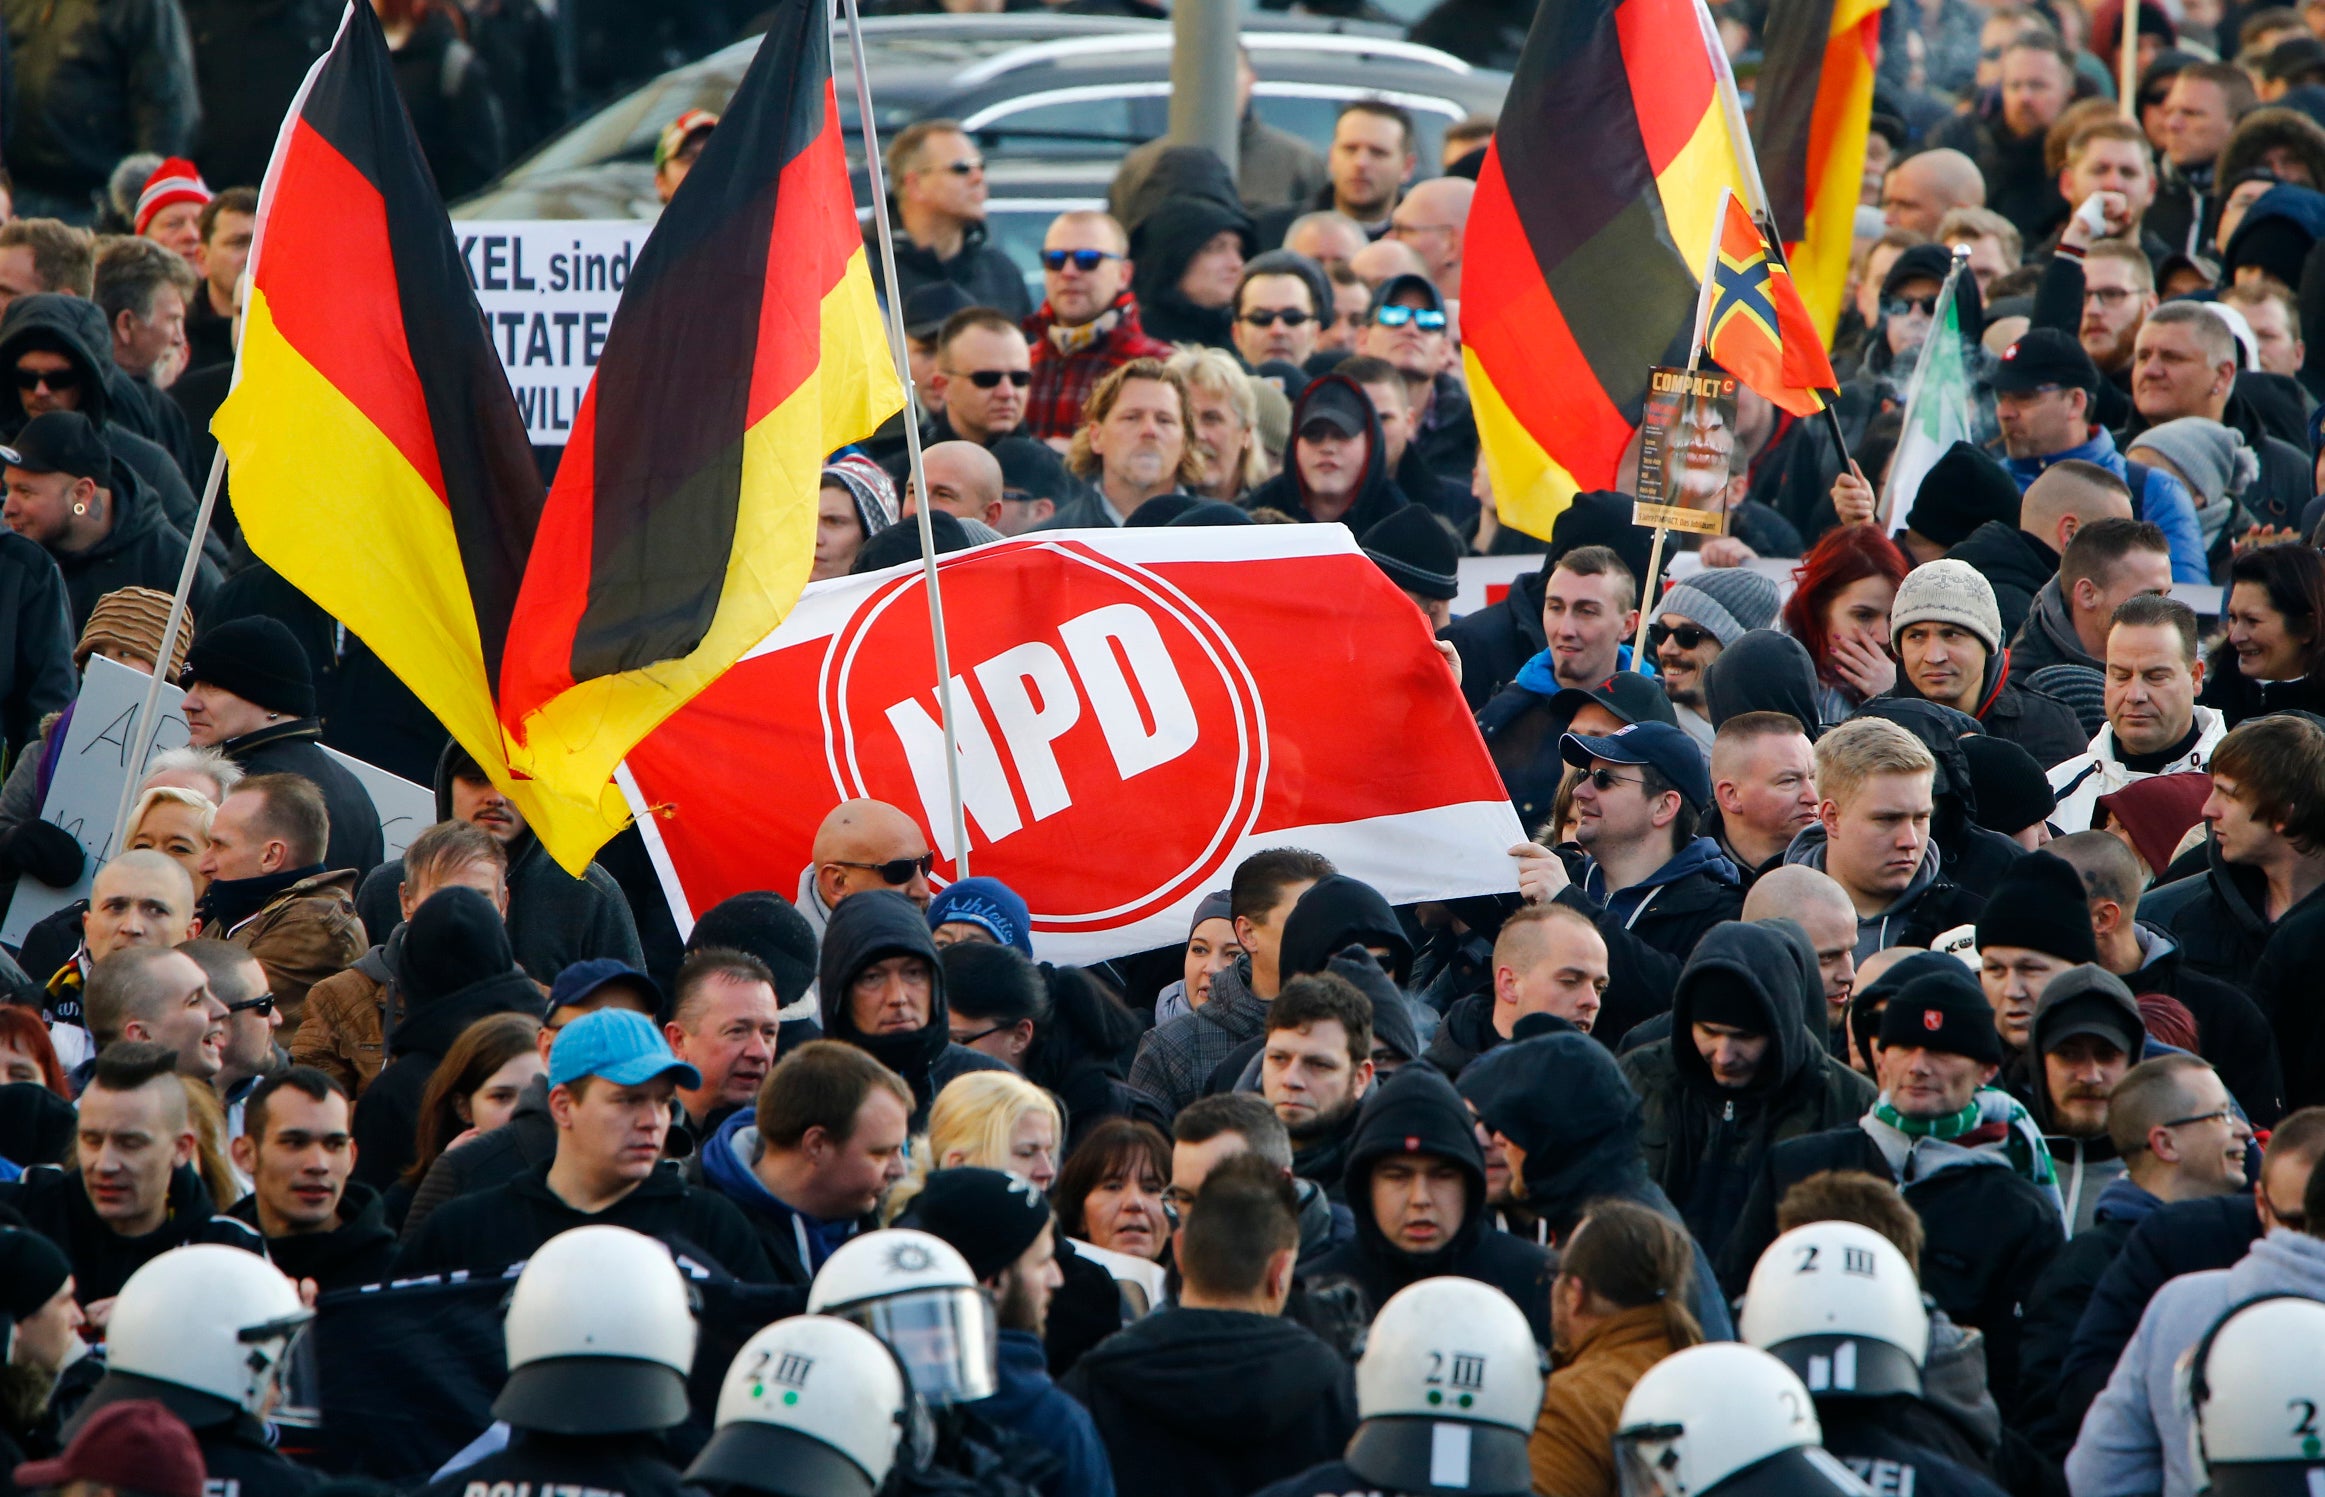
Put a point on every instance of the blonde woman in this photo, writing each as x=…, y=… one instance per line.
x=993, y=1119
x=176, y=824
x=1223, y=417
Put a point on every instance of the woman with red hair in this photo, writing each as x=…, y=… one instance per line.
x=25, y=1052
x=1839, y=611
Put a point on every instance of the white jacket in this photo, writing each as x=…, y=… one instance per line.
x=2080, y=781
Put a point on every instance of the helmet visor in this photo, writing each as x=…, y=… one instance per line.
x=944, y=1337
x=284, y=1351
x=1647, y=1460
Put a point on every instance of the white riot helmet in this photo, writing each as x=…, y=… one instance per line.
x=813, y=1406
x=206, y=1329
x=1449, y=1387
x=916, y=1292
x=2256, y=1386
x=600, y=1333
x=1724, y=1418
x=1838, y=1304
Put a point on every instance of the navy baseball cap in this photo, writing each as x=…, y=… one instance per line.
x=619, y=1044
x=581, y=981
x=1664, y=748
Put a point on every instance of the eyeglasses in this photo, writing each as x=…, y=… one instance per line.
x=1902, y=305
x=2220, y=1116
x=1607, y=779
x=968, y=168
x=1270, y=316
x=971, y=1039
x=895, y=870
x=1081, y=259
x=986, y=379
x=2106, y=296
x=262, y=1005
x=58, y=380
x=1686, y=636
x=1427, y=319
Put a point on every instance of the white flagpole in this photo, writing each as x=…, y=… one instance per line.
x=895, y=319
x=1887, y=517
x=149, y=715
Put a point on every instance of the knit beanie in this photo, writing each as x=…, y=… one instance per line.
x=2039, y=904
x=454, y=938
x=870, y=486
x=1944, y=1011
x=173, y=182
x=1947, y=592
x=1216, y=905
x=257, y=659
x=2013, y=792
x=1726, y=600
x=2211, y=457
x=2156, y=813
x=1420, y=554
x=990, y=1216
x=32, y=1270
x=762, y=924
x=990, y=905
x=132, y=619
x=1962, y=491
x=1718, y=995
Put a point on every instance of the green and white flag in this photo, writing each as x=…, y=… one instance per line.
x=1937, y=405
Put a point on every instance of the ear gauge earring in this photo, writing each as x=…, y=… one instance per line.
x=80, y=509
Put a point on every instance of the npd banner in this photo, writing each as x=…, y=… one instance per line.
x=1138, y=710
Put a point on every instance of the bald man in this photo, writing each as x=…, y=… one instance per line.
x=1820, y=906
x=1384, y=258
x=1327, y=237
x=1430, y=221
x=863, y=844
x=1921, y=190
x=141, y=898
x=2019, y=561
x=964, y=480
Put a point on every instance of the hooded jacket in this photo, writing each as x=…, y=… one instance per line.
x=980, y=268
x=1377, y=496
x=2079, y=782
x=95, y=80
x=2061, y=1295
x=360, y=1250
x=2220, y=918
x=864, y=929
x=1930, y=906
x=1651, y=927
x=1175, y=1426
x=1163, y=244
x=2086, y=1166
x=55, y=1203
x=2014, y=563
x=554, y=918
x=2044, y=726
x=1417, y=1111
x=2233, y=1031
x=1702, y=1142
x=795, y=1243
x=491, y=1229
x=2160, y=499
x=1335, y=913
x=1765, y=670
x=36, y=664
x=2048, y=637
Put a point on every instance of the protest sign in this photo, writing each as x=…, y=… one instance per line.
x=548, y=290
x=85, y=792
x=1137, y=711
x=1686, y=437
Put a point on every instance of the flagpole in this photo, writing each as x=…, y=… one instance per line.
x=1703, y=296
x=2127, y=61
x=1885, y=514
x=148, y=716
x=895, y=323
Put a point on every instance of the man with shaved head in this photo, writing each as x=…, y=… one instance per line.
x=1385, y=259
x=159, y=996
x=1763, y=789
x=1326, y=236
x=964, y=480
x=1549, y=960
x=1921, y=190
x=1820, y=906
x=1430, y=221
x=141, y=898
x=2018, y=561
x=863, y=844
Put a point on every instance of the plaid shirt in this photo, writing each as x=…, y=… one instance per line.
x=1176, y=1059
x=1062, y=381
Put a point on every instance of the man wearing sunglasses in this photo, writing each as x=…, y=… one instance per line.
x=1699, y=618
x=238, y=982
x=936, y=176
x=1087, y=326
x=1276, y=308
x=864, y=844
x=983, y=369
x=1411, y=332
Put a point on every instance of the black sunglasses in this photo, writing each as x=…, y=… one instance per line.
x=895, y=870
x=262, y=1005
x=1686, y=636
x=1081, y=259
x=967, y=168
x=1607, y=779
x=1270, y=316
x=1901, y=305
x=56, y=379
x=986, y=379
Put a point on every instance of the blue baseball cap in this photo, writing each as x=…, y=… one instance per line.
x=1664, y=748
x=580, y=982
x=990, y=905
x=620, y=1044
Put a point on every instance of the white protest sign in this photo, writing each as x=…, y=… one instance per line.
x=548, y=290
x=85, y=792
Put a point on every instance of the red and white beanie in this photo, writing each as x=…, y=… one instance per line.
x=174, y=181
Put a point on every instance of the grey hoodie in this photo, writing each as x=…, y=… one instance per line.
x=1874, y=932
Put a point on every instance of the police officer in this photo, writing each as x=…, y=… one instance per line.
x=1840, y=1305
x=1725, y=1420
x=2257, y=1384
x=812, y=1406
x=600, y=1336
x=207, y=1332
x=1446, y=1393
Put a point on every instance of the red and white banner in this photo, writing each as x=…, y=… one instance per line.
x=1139, y=710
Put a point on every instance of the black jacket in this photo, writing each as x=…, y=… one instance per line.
x=2017, y=187
x=1465, y=1033
x=292, y=748
x=523, y=1144
x=36, y=665
x=94, y=81
x=491, y=1229
x=1988, y=1236
x=1165, y=241
x=1377, y=497
x=1494, y=641
x=1703, y=1144
x=387, y=1123
x=1418, y=1111
x=360, y=1250
x=2226, y=688
x=1900, y=1444
x=989, y=277
x=1174, y=1426
x=630, y=1465
x=2220, y=919
x=2285, y=985
x=2235, y=1034
x=2014, y=564
x=554, y=918
x=54, y=1203
x=864, y=929
x=2052, y=1312
x=1646, y=951
x=251, y=56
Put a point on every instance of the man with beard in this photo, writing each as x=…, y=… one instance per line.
x=39, y=1322
x=1315, y=1068
x=1133, y=446
x=2118, y=293
x=2086, y=1034
x=1695, y=621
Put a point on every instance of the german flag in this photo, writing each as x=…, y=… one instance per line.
x=1609, y=158
x=1756, y=328
x=747, y=346
x=1812, y=108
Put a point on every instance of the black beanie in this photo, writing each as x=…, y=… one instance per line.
x=1601, y=517
x=991, y=1217
x=1943, y=1011
x=1962, y=491
x=1392, y=1016
x=1417, y=551
x=1867, y=1003
x=257, y=659
x=454, y=938
x=762, y=924
x=900, y=542
x=36, y=1125
x=32, y=1270
x=2013, y=792
x=1717, y=995
x=2040, y=904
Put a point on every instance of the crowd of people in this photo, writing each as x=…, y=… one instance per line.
x=1898, y=1066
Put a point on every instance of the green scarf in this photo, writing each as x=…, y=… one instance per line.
x=1949, y=1127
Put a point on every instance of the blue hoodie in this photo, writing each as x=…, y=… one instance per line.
x=1027, y=1402
x=1539, y=674
x=2164, y=501
x=1702, y=855
x=726, y=1168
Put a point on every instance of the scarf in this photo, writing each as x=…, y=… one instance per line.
x=1078, y=339
x=230, y=901
x=1993, y=1117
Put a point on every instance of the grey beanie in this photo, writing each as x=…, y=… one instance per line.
x=2210, y=456
x=1726, y=600
x=1947, y=592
